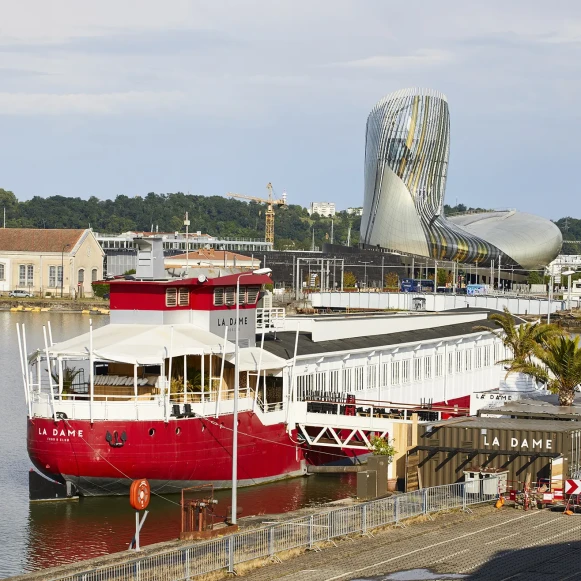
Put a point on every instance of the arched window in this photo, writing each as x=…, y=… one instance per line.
x=94, y=274
x=81, y=276
x=2, y=271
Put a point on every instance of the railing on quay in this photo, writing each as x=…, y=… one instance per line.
x=266, y=542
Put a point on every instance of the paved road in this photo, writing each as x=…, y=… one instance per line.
x=488, y=545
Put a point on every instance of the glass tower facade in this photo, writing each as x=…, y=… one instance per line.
x=406, y=165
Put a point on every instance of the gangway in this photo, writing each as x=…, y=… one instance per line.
x=352, y=424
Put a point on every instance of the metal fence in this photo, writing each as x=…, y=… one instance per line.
x=274, y=538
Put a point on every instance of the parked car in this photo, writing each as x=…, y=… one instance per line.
x=20, y=294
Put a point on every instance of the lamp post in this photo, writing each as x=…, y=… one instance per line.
x=550, y=296
x=568, y=274
x=236, y=389
x=365, y=271
x=63, y=267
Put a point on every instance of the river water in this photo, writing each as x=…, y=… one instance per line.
x=33, y=536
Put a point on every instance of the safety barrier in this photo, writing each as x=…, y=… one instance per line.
x=227, y=552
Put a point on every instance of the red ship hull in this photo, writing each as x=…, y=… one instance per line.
x=103, y=458
x=182, y=452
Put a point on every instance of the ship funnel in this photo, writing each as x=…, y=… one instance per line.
x=150, y=258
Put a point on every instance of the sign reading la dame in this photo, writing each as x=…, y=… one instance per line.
x=523, y=444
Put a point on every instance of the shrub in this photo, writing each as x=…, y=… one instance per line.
x=100, y=290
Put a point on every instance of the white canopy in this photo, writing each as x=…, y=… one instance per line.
x=249, y=358
x=143, y=344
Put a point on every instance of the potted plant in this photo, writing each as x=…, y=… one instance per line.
x=384, y=448
x=69, y=376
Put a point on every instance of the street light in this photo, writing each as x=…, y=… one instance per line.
x=550, y=296
x=568, y=273
x=236, y=389
x=63, y=267
x=365, y=270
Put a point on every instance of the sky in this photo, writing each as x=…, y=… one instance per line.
x=108, y=98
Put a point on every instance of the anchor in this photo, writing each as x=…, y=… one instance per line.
x=117, y=443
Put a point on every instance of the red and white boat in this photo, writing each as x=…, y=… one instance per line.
x=151, y=395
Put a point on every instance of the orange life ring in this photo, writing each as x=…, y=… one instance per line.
x=139, y=494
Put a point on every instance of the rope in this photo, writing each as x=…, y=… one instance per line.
x=118, y=469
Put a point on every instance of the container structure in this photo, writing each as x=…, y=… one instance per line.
x=548, y=450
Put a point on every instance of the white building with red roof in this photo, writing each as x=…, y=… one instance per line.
x=48, y=262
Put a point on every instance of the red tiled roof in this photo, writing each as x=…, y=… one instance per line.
x=38, y=240
x=205, y=253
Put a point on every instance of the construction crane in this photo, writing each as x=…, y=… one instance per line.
x=270, y=203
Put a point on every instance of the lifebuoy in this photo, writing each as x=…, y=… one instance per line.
x=139, y=494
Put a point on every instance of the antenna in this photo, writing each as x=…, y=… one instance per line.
x=187, y=225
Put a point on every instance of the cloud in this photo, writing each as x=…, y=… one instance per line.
x=127, y=42
x=419, y=58
x=7, y=74
x=88, y=103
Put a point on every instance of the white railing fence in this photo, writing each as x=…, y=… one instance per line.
x=265, y=542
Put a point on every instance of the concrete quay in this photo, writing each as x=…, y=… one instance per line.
x=484, y=544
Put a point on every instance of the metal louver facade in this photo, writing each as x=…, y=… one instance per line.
x=406, y=166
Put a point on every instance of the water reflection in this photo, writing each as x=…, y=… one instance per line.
x=66, y=531
x=42, y=535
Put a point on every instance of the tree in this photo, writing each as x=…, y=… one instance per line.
x=558, y=367
x=535, y=277
x=383, y=447
x=392, y=280
x=523, y=340
x=349, y=280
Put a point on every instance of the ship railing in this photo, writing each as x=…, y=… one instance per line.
x=314, y=531
x=269, y=407
x=270, y=319
x=328, y=402
x=381, y=410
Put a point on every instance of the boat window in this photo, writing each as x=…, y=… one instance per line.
x=253, y=294
x=230, y=295
x=417, y=369
x=2, y=271
x=171, y=297
x=405, y=370
x=486, y=355
x=183, y=297
x=242, y=296
x=439, y=365
x=358, y=377
x=395, y=373
x=427, y=367
x=219, y=296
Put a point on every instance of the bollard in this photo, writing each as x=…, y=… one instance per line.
x=364, y=519
x=396, y=510
x=311, y=532
x=424, y=501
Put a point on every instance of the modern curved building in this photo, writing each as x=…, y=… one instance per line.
x=407, y=148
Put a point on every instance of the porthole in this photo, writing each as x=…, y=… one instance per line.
x=151, y=431
x=178, y=431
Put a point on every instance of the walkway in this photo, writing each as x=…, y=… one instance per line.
x=490, y=544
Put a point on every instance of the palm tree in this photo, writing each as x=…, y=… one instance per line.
x=559, y=367
x=69, y=376
x=522, y=340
